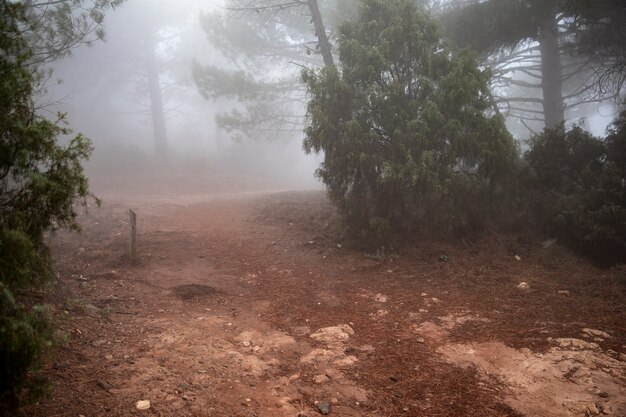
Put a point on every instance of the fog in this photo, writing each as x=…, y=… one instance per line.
x=212, y=88
x=105, y=89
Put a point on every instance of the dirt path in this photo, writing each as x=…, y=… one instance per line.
x=249, y=305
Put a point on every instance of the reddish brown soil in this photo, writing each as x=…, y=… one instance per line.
x=219, y=318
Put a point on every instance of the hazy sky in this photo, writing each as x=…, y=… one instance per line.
x=104, y=89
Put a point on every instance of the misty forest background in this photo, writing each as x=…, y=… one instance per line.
x=420, y=118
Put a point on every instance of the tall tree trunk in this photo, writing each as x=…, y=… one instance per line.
x=551, y=74
x=156, y=102
x=320, y=32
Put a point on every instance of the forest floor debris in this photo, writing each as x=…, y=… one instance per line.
x=228, y=313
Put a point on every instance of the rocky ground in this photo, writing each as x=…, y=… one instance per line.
x=250, y=304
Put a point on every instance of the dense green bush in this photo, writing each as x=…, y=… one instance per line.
x=402, y=124
x=40, y=182
x=581, y=181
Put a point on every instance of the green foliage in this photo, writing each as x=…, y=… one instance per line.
x=597, y=28
x=407, y=145
x=55, y=27
x=40, y=183
x=583, y=183
x=24, y=334
x=487, y=26
x=265, y=42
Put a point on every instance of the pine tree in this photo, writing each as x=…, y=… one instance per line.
x=40, y=183
x=402, y=126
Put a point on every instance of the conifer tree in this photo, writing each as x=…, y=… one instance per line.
x=402, y=126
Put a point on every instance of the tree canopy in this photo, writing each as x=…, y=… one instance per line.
x=550, y=58
x=41, y=181
x=266, y=43
x=402, y=124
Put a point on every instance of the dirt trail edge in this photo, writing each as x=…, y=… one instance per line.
x=250, y=305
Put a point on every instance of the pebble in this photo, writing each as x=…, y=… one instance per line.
x=320, y=379
x=523, y=286
x=104, y=385
x=323, y=407
x=380, y=298
x=142, y=405
x=597, y=333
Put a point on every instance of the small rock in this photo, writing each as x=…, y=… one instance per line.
x=142, y=405
x=583, y=408
x=108, y=357
x=320, y=379
x=302, y=414
x=596, y=333
x=563, y=292
x=334, y=401
x=379, y=298
x=246, y=344
x=405, y=409
x=103, y=385
x=575, y=344
x=523, y=286
x=420, y=340
x=334, y=373
x=381, y=313
x=602, y=394
x=283, y=402
x=323, y=407
x=518, y=258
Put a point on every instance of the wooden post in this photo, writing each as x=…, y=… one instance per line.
x=132, y=242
